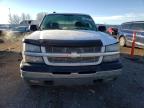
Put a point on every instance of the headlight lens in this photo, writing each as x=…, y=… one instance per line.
x=33, y=59
x=112, y=48
x=31, y=48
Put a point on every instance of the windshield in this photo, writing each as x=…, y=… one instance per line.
x=68, y=22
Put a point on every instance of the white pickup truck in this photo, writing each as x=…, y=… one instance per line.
x=69, y=49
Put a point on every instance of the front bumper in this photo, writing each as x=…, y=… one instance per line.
x=72, y=79
x=70, y=74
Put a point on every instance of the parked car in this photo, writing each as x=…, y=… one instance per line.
x=68, y=49
x=26, y=22
x=17, y=31
x=112, y=31
x=126, y=33
x=102, y=28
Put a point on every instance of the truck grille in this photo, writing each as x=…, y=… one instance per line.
x=73, y=60
x=51, y=49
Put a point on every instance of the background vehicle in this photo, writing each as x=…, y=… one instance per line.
x=17, y=31
x=126, y=33
x=112, y=31
x=101, y=28
x=26, y=22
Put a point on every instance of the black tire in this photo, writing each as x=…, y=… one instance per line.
x=112, y=33
x=122, y=41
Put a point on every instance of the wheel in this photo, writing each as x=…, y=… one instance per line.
x=112, y=33
x=122, y=41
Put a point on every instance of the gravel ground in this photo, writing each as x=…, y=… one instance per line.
x=126, y=92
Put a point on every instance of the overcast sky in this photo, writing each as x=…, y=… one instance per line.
x=102, y=11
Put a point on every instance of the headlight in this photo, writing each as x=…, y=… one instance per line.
x=31, y=48
x=112, y=48
x=33, y=59
x=110, y=58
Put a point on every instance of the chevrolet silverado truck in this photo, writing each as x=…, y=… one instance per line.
x=68, y=49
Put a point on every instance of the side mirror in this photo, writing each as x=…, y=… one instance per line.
x=102, y=28
x=33, y=27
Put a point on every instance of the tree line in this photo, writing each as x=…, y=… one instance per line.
x=16, y=19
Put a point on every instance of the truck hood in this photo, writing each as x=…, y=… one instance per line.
x=72, y=35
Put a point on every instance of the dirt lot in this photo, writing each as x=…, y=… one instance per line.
x=126, y=92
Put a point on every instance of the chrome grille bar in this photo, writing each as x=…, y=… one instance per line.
x=51, y=49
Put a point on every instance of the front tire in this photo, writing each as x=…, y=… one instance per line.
x=122, y=41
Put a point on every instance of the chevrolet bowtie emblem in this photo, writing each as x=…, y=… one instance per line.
x=74, y=55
